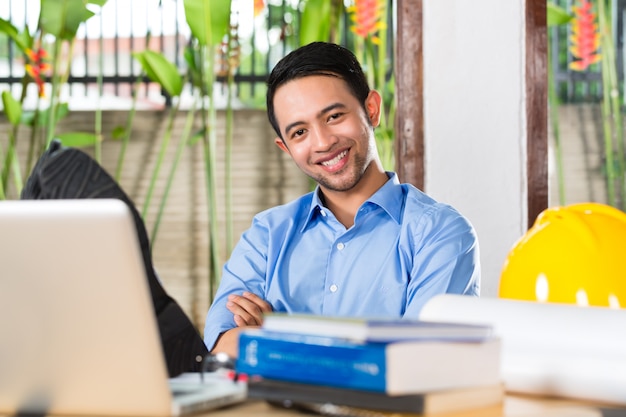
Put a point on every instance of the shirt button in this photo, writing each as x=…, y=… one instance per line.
x=340, y=246
x=323, y=213
x=333, y=288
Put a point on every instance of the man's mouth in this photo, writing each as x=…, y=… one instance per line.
x=335, y=160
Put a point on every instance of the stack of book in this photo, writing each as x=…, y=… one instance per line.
x=389, y=366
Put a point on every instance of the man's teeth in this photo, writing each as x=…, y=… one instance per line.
x=335, y=160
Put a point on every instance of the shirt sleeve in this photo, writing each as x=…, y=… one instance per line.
x=446, y=259
x=244, y=271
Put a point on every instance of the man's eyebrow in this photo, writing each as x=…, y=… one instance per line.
x=292, y=125
x=332, y=107
x=322, y=112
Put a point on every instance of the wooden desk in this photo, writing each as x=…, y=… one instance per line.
x=514, y=406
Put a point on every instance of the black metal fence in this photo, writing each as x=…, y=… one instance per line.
x=104, y=44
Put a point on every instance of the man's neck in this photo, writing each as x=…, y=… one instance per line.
x=344, y=204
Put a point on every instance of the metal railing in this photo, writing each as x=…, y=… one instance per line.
x=105, y=43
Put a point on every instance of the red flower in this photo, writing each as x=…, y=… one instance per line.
x=37, y=66
x=585, y=38
x=367, y=18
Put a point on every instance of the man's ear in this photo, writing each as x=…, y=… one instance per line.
x=281, y=144
x=372, y=105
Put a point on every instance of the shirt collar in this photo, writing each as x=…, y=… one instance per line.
x=315, y=209
x=389, y=197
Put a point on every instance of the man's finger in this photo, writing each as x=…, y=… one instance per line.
x=247, y=310
x=263, y=305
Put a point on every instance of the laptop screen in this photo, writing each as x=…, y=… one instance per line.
x=78, y=329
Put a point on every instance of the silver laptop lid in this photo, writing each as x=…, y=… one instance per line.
x=78, y=333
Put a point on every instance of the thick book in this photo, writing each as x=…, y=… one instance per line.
x=382, y=330
x=440, y=401
x=394, y=368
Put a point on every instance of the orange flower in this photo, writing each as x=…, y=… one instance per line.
x=37, y=66
x=585, y=38
x=259, y=6
x=367, y=18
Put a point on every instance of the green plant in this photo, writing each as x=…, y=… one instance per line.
x=557, y=16
x=13, y=110
x=320, y=22
x=57, y=26
x=611, y=109
x=209, y=22
x=592, y=31
x=369, y=19
x=230, y=59
x=162, y=71
x=591, y=47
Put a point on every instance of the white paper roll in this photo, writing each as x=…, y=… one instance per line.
x=547, y=348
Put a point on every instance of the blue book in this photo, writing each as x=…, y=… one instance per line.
x=394, y=368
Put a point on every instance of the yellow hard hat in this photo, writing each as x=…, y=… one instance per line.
x=574, y=254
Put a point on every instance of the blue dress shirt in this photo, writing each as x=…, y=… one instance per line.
x=403, y=248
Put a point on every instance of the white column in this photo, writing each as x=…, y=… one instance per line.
x=475, y=119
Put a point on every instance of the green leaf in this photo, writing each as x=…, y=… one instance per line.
x=160, y=70
x=20, y=39
x=557, y=15
x=196, y=137
x=61, y=18
x=63, y=109
x=29, y=119
x=77, y=139
x=12, y=108
x=118, y=132
x=208, y=20
x=190, y=58
x=25, y=40
x=97, y=2
x=315, y=23
x=8, y=28
x=195, y=75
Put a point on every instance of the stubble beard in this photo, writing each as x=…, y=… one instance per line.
x=343, y=180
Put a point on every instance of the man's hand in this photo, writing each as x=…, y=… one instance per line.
x=248, y=309
x=228, y=342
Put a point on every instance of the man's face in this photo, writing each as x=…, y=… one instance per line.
x=326, y=130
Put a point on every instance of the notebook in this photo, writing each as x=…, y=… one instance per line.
x=78, y=335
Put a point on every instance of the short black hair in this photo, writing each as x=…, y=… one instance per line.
x=317, y=58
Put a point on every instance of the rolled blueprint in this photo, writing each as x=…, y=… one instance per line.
x=547, y=348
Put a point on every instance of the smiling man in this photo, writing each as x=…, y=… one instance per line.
x=362, y=244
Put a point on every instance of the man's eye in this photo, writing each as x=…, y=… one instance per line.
x=295, y=133
x=334, y=116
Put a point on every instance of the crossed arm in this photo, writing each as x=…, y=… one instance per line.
x=248, y=310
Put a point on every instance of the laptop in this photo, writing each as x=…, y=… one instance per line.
x=78, y=334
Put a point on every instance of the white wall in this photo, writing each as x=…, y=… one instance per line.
x=475, y=119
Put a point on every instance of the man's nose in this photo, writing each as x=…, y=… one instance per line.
x=323, y=138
